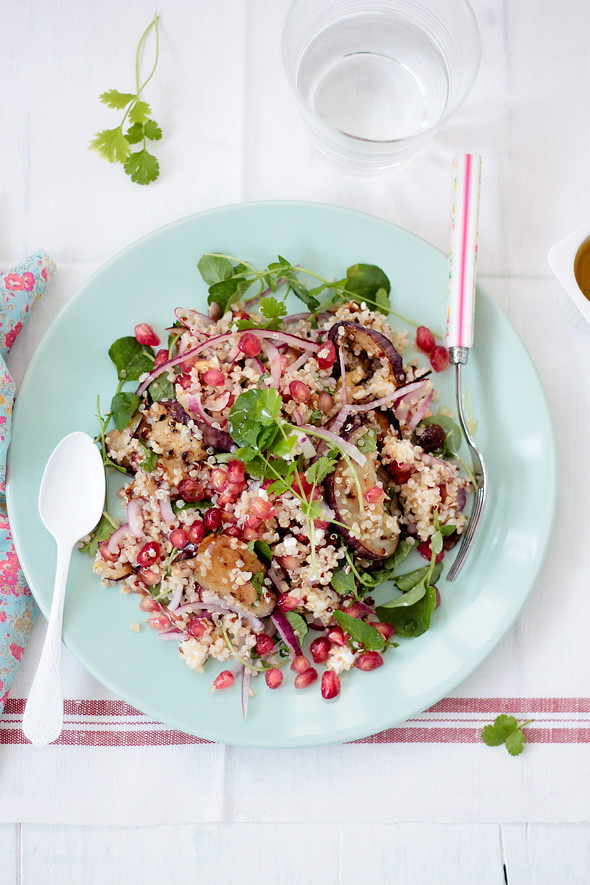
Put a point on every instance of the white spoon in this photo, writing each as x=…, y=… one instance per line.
x=71, y=500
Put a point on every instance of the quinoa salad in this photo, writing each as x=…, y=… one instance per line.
x=279, y=470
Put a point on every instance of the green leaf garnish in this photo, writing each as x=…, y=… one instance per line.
x=150, y=462
x=506, y=730
x=123, y=408
x=299, y=624
x=359, y=631
x=131, y=358
x=105, y=528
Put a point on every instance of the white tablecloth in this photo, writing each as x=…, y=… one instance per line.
x=231, y=134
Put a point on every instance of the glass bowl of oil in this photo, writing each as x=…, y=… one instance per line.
x=570, y=262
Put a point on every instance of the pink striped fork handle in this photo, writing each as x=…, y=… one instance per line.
x=460, y=316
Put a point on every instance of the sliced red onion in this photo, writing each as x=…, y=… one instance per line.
x=390, y=398
x=175, y=600
x=258, y=363
x=194, y=404
x=187, y=316
x=166, y=511
x=307, y=447
x=340, y=419
x=286, y=632
x=299, y=362
x=246, y=673
x=171, y=634
x=363, y=607
x=343, y=445
x=219, y=404
x=274, y=359
x=224, y=608
x=275, y=578
x=118, y=535
x=134, y=516
x=419, y=414
x=295, y=317
x=298, y=418
x=216, y=339
x=285, y=338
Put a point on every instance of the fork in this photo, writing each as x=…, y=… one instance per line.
x=460, y=317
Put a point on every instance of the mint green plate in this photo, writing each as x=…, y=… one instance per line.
x=144, y=284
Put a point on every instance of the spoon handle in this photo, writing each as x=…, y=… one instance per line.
x=43, y=718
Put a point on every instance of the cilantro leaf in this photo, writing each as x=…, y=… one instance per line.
x=117, y=100
x=111, y=144
x=150, y=462
x=135, y=133
x=102, y=532
x=142, y=167
x=505, y=730
x=320, y=469
x=152, y=131
x=140, y=112
x=367, y=442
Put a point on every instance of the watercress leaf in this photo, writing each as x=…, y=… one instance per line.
x=415, y=619
x=214, y=269
x=123, y=408
x=359, y=631
x=161, y=388
x=382, y=301
x=179, y=505
x=268, y=406
x=436, y=543
x=343, y=582
x=131, y=358
x=367, y=442
x=111, y=144
x=452, y=434
x=410, y=579
x=242, y=422
x=299, y=625
x=447, y=529
x=297, y=287
x=152, y=130
x=150, y=462
x=101, y=533
x=320, y=469
x=228, y=291
x=140, y=112
x=403, y=550
x=364, y=281
x=280, y=446
x=406, y=599
x=515, y=742
x=142, y=167
x=263, y=551
x=134, y=134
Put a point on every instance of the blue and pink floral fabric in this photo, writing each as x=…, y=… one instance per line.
x=19, y=290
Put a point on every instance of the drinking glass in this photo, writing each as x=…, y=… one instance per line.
x=376, y=79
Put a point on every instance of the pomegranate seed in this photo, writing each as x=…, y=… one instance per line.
x=264, y=644
x=249, y=345
x=231, y=493
x=369, y=660
x=148, y=554
x=179, y=538
x=146, y=335
x=197, y=627
x=325, y=401
x=354, y=610
x=374, y=494
x=425, y=339
x=212, y=518
x=302, y=485
x=161, y=358
x=321, y=523
x=273, y=677
x=224, y=680
x=300, y=664
x=386, y=630
x=299, y=391
x=330, y=685
x=107, y=554
x=184, y=381
x=336, y=635
x=425, y=550
x=289, y=563
x=306, y=678
x=236, y=472
x=326, y=355
x=149, y=604
x=254, y=522
x=214, y=378
x=400, y=472
x=149, y=576
x=286, y=602
x=218, y=478
x=319, y=649
x=261, y=508
x=239, y=314
x=233, y=531
x=196, y=531
x=249, y=534
x=159, y=622
x=228, y=517
x=439, y=358
x=190, y=490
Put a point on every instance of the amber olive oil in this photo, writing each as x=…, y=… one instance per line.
x=582, y=268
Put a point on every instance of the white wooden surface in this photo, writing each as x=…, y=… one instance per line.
x=235, y=136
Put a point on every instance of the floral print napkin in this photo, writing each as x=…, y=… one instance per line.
x=19, y=290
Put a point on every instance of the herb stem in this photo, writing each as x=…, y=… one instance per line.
x=152, y=24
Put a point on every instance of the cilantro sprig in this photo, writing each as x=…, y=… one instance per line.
x=506, y=730
x=114, y=145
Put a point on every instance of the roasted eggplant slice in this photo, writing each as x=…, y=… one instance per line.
x=217, y=567
x=377, y=540
x=369, y=345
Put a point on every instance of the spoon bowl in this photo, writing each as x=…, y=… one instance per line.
x=71, y=500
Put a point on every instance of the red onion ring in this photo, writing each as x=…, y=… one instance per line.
x=134, y=516
x=117, y=537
